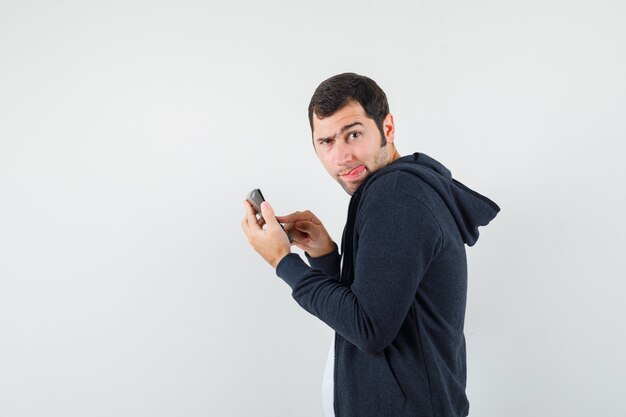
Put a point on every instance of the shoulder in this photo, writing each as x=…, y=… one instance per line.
x=398, y=192
x=397, y=186
x=395, y=218
x=400, y=197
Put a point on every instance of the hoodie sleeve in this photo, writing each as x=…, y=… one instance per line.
x=397, y=238
x=328, y=264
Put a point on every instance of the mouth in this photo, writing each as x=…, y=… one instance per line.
x=355, y=173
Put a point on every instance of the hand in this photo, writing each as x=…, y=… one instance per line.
x=268, y=238
x=308, y=233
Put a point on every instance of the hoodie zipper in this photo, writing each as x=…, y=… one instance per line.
x=335, y=408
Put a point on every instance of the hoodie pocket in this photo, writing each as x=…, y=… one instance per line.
x=393, y=377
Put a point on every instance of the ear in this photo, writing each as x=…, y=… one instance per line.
x=389, y=128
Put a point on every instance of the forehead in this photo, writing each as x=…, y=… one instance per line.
x=348, y=114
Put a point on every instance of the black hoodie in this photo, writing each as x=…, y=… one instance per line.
x=397, y=304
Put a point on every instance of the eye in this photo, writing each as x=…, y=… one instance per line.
x=322, y=142
x=354, y=135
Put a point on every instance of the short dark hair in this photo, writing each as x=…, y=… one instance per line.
x=338, y=91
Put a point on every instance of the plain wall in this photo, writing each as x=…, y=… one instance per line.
x=131, y=131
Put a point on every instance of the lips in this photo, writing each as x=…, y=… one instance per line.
x=355, y=172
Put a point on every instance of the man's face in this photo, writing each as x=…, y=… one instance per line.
x=348, y=145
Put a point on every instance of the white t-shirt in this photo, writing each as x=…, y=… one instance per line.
x=328, y=381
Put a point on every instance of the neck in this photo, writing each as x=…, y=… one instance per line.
x=394, y=155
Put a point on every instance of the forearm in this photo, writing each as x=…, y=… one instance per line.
x=332, y=302
x=369, y=321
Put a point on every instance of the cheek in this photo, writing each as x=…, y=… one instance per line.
x=363, y=155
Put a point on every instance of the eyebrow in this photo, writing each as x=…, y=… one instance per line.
x=343, y=129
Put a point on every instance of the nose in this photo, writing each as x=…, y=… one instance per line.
x=342, y=154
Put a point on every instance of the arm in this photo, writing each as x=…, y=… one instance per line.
x=310, y=235
x=329, y=264
x=397, y=240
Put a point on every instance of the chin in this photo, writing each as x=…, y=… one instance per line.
x=350, y=189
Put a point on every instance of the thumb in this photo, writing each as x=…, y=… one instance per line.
x=268, y=213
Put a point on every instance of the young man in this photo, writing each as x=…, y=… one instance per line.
x=396, y=295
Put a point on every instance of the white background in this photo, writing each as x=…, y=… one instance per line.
x=130, y=132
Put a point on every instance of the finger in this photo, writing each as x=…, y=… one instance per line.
x=246, y=227
x=296, y=232
x=251, y=216
x=293, y=217
x=285, y=219
x=298, y=236
x=305, y=226
x=268, y=214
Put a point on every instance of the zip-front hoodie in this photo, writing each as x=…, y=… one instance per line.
x=397, y=303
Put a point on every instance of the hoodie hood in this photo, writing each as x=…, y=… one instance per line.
x=469, y=208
